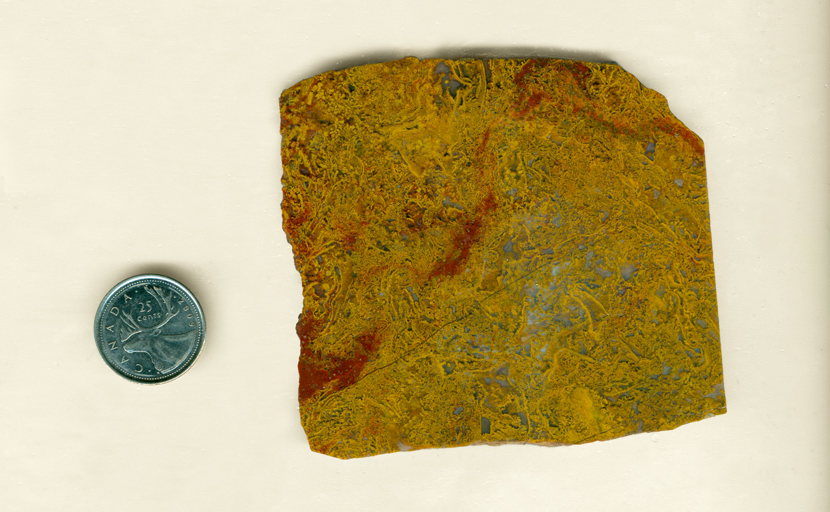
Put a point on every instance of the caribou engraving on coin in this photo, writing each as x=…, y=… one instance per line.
x=165, y=350
x=149, y=328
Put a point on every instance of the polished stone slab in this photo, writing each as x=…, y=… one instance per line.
x=496, y=250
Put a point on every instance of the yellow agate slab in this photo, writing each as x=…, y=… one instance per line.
x=493, y=251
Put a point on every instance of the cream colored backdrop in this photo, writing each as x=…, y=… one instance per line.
x=144, y=137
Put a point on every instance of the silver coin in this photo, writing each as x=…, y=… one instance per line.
x=149, y=329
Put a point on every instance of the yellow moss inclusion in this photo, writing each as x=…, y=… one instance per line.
x=496, y=251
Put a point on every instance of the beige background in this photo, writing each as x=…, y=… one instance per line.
x=143, y=137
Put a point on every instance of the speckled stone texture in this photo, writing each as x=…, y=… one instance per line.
x=496, y=251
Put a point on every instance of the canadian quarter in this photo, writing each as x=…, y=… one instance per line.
x=149, y=329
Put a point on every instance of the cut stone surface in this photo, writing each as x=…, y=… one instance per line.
x=496, y=251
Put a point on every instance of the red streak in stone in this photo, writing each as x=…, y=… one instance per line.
x=347, y=371
x=311, y=377
x=483, y=158
x=461, y=243
x=463, y=240
x=671, y=127
x=318, y=373
x=297, y=216
x=581, y=72
x=488, y=205
x=519, y=79
x=535, y=98
x=482, y=146
x=533, y=102
x=349, y=239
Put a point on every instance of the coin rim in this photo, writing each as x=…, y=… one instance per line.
x=184, y=291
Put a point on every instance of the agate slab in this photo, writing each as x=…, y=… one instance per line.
x=496, y=251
